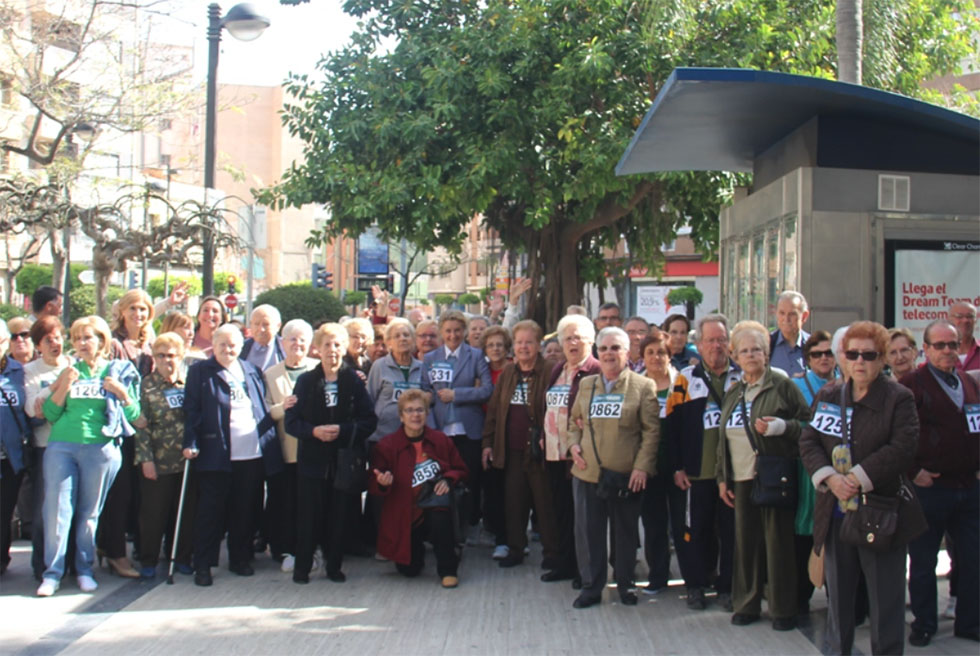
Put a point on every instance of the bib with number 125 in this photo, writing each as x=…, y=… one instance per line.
x=735, y=419
x=826, y=419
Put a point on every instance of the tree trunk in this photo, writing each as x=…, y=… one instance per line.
x=55, y=241
x=850, y=38
x=103, y=267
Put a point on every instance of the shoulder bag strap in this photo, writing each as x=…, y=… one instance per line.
x=748, y=427
x=845, y=433
x=591, y=429
x=711, y=390
x=806, y=381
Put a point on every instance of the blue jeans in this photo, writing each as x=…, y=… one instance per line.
x=77, y=478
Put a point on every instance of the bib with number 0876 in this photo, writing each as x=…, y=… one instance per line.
x=735, y=419
x=606, y=406
x=712, y=415
x=557, y=396
x=400, y=387
x=826, y=419
x=972, y=412
x=441, y=372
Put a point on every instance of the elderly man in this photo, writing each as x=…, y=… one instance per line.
x=264, y=347
x=637, y=328
x=416, y=316
x=478, y=323
x=615, y=429
x=692, y=426
x=426, y=337
x=964, y=317
x=945, y=476
x=786, y=342
x=609, y=315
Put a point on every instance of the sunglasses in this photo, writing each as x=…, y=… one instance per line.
x=822, y=354
x=24, y=335
x=942, y=346
x=867, y=356
x=615, y=348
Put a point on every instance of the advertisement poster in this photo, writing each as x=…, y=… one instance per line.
x=651, y=302
x=372, y=254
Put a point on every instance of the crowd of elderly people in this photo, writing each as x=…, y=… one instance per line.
x=769, y=462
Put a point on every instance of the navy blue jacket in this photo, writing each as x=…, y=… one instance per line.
x=207, y=417
x=15, y=425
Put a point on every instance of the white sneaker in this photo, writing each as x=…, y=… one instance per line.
x=317, y=561
x=950, y=612
x=527, y=551
x=47, y=588
x=288, y=563
x=500, y=552
x=86, y=583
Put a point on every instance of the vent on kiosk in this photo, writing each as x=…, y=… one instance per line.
x=893, y=193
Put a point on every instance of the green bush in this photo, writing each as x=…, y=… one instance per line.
x=33, y=276
x=469, y=299
x=299, y=300
x=355, y=297
x=444, y=299
x=155, y=286
x=82, y=300
x=8, y=311
x=221, y=283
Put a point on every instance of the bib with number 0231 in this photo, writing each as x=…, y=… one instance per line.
x=87, y=389
x=606, y=406
x=441, y=372
x=401, y=387
x=972, y=412
x=712, y=415
x=557, y=396
x=426, y=470
x=826, y=419
x=735, y=419
x=330, y=394
x=175, y=397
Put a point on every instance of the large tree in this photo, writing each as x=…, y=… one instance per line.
x=519, y=110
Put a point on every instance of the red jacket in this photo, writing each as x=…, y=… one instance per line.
x=396, y=454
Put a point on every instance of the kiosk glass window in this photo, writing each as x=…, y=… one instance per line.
x=791, y=247
x=758, y=308
x=773, y=279
x=730, y=262
x=743, y=280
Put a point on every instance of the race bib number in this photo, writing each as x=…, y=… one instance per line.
x=10, y=398
x=175, y=398
x=972, y=411
x=663, y=408
x=87, y=389
x=735, y=419
x=606, y=406
x=330, y=394
x=238, y=395
x=400, y=388
x=712, y=415
x=426, y=470
x=519, y=397
x=826, y=419
x=441, y=372
x=557, y=396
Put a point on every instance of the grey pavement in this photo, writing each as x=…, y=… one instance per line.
x=377, y=611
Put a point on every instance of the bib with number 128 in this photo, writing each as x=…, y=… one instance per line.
x=606, y=406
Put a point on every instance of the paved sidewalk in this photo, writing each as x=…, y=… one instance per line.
x=377, y=611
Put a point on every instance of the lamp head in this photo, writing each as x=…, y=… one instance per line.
x=244, y=23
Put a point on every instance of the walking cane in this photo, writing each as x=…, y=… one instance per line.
x=180, y=512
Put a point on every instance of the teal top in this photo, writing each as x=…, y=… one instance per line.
x=807, y=495
x=81, y=419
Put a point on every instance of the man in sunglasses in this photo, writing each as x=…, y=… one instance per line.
x=945, y=474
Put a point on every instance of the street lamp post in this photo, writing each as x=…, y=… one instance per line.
x=245, y=25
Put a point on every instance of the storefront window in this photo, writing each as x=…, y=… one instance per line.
x=758, y=308
x=773, y=279
x=742, y=276
x=790, y=250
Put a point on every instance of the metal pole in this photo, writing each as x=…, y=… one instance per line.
x=251, y=260
x=146, y=231
x=210, y=118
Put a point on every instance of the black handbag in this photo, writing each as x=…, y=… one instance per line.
x=428, y=498
x=873, y=524
x=775, y=483
x=612, y=484
x=350, y=475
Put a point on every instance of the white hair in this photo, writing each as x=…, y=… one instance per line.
x=585, y=327
x=795, y=297
x=230, y=330
x=615, y=332
x=268, y=310
x=399, y=322
x=837, y=344
x=297, y=326
x=363, y=324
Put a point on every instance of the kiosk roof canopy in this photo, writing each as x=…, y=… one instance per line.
x=721, y=119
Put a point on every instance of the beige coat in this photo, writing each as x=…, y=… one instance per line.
x=278, y=387
x=624, y=444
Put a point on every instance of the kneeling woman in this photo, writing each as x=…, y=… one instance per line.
x=404, y=464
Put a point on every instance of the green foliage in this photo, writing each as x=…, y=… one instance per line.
x=469, y=299
x=684, y=295
x=33, y=276
x=8, y=311
x=299, y=300
x=444, y=299
x=155, y=285
x=355, y=297
x=82, y=301
x=221, y=282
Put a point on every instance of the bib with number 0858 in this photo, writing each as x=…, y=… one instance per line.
x=557, y=396
x=712, y=415
x=735, y=419
x=426, y=470
x=87, y=389
x=330, y=394
x=401, y=387
x=441, y=372
x=175, y=397
x=606, y=406
x=972, y=412
x=826, y=419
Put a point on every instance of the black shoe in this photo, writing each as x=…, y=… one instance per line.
x=744, y=619
x=259, y=545
x=628, y=598
x=556, y=575
x=919, y=638
x=584, y=601
x=725, y=601
x=695, y=599
x=968, y=635
x=203, y=578
x=512, y=560
x=337, y=577
x=301, y=578
x=577, y=583
x=242, y=570
x=784, y=624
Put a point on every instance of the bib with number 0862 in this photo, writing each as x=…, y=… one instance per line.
x=606, y=406
x=972, y=412
x=401, y=387
x=87, y=389
x=735, y=419
x=557, y=396
x=330, y=394
x=441, y=372
x=826, y=419
x=712, y=415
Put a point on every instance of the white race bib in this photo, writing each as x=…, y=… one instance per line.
x=400, y=388
x=330, y=394
x=519, y=397
x=87, y=389
x=557, y=396
x=426, y=470
x=972, y=411
x=826, y=419
x=712, y=415
x=441, y=372
x=238, y=395
x=175, y=398
x=735, y=419
x=9, y=397
x=606, y=406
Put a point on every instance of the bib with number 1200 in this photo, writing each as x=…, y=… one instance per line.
x=972, y=412
x=606, y=406
x=90, y=388
x=826, y=419
x=735, y=420
x=441, y=372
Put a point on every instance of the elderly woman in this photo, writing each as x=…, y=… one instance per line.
x=682, y=352
x=412, y=460
x=615, y=430
x=159, y=444
x=380, y=349
x=576, y=335
x=762, y=416
x=15, y=433
x=280, y=381
x=90, y=409
x=360, y=338
x=902, y=352
x=878, y=448
x=210, y=315
x=333, y=411
x=393, y=375
x=39, y=375
x=231, y=437
x=426, y=337
x=21, y=346
x=496, y=343
x=551, y=349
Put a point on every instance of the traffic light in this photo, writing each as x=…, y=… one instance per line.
x=132, y=280
x=232, y=281
x=322, y=278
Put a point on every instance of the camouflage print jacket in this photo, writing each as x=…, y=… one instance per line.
x=161, y=441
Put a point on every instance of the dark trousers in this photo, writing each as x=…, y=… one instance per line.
x=471, y=452
x=320, y=520
x=524, y=481
x=279, y=515
x=227, y=499
x=709, y=540
x=884, y=573
x=9, y=487
x=115, y=513
x=764, y=552
x=662, y=514
x=804, y=588
x=158, y=516
x=37, y=528
x=492, y=489
x=560, y=480
x=958, y=512
x=592, y=516
x=436, y=527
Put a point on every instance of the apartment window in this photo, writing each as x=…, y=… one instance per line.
x=6, y=91
x=56, y=31
x=4, y=158
x=166, y=124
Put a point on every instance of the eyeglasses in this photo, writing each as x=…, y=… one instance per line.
x=638, y=332
x=905, y=350
x=615, y=348
x=867, y=356
x=24, y=335
x=957, y=315
x=414, y=411
x=755, y=350
x=942, y=346
x=822, y=354
x=425, y=336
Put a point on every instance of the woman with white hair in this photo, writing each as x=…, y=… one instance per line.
x=360, y=336
x=280, y=381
